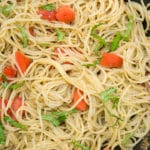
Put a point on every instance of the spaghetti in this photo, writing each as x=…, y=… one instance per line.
x=74, y=74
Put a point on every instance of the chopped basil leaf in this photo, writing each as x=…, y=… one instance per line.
x=5, y=84
x=94, y=28
x=6, y=10
x=115, y=101
x=113, y=115
x=115, y=42
x=109, y=95
x=126, y=138
x=101, y=41
x=2, y=139
x=16, y=86
x=4, y=78
x=129, y=28
x=24, y=36
x=60, y=35
x=1, y=9
x=92, y=65
x=59, y=113
x=14, y=123
x=51, y=119
x=49, y=7
x=5, y=81
x=97, y=48
x=77, y=144
x=57, y=118
x=44, y=44
x=116, y=122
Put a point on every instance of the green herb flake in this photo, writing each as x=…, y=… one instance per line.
x=16, y=86
x=94, y=28
x=51, y=119
x=44, y=44
x=60, y=35
x=24, y=36
x=126, y=138
x=4, y=78
x=97, y=48
x=49, y=7
x=101, y=41
x=129, y=28
x=109, y=95
x=93, y=64
x=6, y=10
x=5, y=84
x=57, y=118
x=1, y=9
x=5, y=81
x=106, y=95
x=113, y=115
x=14, y=123
x=77, y=144
x=2, y=138
x=115, y=42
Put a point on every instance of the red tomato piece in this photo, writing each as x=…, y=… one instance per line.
x=9, y=72
x=31, y=30
x=16, y=104
x=65, y=14
x=82, y=106
x=111, y=60
x=22, y=60
x=48, y=15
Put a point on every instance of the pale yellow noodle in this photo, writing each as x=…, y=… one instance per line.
x=49, y=82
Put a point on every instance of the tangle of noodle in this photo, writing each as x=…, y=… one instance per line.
x=49, y=82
